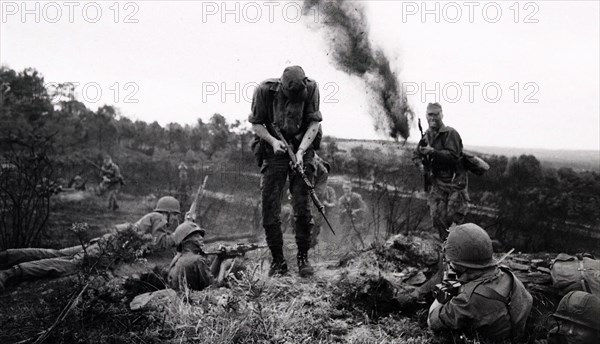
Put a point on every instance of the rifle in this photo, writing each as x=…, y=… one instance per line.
x=194, y=213
x=425, y=161
x=299, y=170
x=239, y=250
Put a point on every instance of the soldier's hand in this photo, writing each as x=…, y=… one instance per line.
x=279, y=147
x=300, y=159
x=425, y=150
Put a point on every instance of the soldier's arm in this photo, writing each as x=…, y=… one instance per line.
x=452, y=149
x=454, y=315
x=312, y=116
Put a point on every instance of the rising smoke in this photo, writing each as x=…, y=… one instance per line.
x=346, y=25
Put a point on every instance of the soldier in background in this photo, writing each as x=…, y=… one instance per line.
x=439, y=153
x=352, y=211
x=112, y=180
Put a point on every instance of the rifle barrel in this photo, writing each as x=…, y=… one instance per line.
x=299, y=170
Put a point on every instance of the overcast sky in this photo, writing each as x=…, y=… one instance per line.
x=181, y=60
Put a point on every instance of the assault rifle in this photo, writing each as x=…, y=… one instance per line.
x=300, y=172
x=425, y=161
x=238, y=250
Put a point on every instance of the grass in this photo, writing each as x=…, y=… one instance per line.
x=350, y=300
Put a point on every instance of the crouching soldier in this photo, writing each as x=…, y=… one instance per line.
x=191, y=268
x=482, y=296
x=35, y=263
x=578, y=320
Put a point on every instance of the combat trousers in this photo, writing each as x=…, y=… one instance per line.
x=274, y=174
x=448, y=204
x=13, y=257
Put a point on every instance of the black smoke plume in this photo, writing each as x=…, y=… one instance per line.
x=348, y=31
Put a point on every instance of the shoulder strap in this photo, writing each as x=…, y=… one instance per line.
x=485, y=291
x=584, y=283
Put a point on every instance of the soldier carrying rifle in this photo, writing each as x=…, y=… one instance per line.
x=288, y=106
x=192, y=267
x=352, y=212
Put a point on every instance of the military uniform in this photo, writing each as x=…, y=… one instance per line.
x=448, y=198
x=111, y=183
x=191, y=270
x=156, y=224
x=491, y=300
x=495, y=304
x=349, y=204
x=36, y=263
x=271, y=106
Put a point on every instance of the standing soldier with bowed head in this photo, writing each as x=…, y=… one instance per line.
x=439, y=154
x=289, y=104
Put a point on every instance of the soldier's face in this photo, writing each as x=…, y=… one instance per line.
x=435, y=120
x=577, y=334
x=347, y=190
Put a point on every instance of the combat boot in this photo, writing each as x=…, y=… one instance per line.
x=278, y=267
x=304, y=267
x=278, y=264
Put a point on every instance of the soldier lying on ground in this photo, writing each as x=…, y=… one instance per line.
x=34, y=263
x=483, y=297
x=577, y=320
x=191, y=268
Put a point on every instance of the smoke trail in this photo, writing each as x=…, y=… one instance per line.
x=348, y=31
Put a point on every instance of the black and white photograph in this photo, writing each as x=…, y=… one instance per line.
x=300, y=171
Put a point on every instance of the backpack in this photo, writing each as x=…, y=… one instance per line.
x=474, y=164
x=579, y=272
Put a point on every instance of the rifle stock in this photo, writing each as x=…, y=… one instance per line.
x=299, y=170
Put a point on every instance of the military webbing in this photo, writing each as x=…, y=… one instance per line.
x=490, y=293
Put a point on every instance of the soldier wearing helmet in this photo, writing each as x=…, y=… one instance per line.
x=577, y=320
x=190, y=268
x=490, y=299
x=35, y=263
x=161, y=222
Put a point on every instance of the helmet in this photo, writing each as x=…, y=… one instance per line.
x=581, y=308
x=184, y=230
x=470, y=246
x=168, y=204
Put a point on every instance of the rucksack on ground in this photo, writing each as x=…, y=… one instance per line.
x=579, y=272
